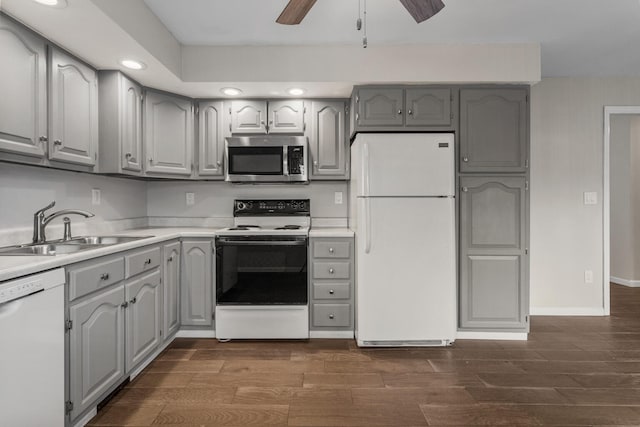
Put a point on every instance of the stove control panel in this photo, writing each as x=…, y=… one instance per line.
x=274, y=207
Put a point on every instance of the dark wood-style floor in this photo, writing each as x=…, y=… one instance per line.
x=573, y=371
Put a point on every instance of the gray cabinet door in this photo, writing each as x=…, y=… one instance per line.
x=428, y=107
x=171, y=276
x=143, y=317
x=286, y=116
x=96, y=347
x=73, y=110
x=23, y=85
x=493, y=130
x=196, y=300
x=248, y=116
x=379, y=107
x=131, y=138
x=493, y=253
x=210, y=139
x=168, y=134
x=327, y=142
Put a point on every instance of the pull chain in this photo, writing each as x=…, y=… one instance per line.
x=364, y=39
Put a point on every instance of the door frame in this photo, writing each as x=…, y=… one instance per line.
x=606, y=200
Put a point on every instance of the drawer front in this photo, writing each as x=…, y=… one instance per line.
x=98, y=274
x=331, y=249
x=142, y=261
x=331, y=291
x=331, y=270
x=327, y=315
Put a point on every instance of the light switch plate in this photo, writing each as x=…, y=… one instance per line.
x=588, y=276
x=337, y=197
x=96, y=196
x=590, y=198
x=190, y=198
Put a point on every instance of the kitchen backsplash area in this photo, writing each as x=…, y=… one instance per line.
x=213, y=201
x=25, y=189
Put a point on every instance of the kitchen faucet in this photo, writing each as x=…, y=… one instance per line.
x=40, y=221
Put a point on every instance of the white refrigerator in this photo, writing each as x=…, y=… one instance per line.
x=403, y=212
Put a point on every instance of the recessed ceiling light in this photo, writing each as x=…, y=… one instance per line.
x=230, y=91
x=55, y=3
x=133, y=65
x=296, y=91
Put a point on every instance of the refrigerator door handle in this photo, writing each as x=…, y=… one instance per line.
x=367, y=226
x=365, y=169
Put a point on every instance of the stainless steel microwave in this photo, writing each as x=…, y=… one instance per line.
x=266, y=159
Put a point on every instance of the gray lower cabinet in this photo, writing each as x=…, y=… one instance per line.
x=23, y=85
x=96, y=347
x=329, y=147
x=144, y=315
x=494, y=260
x=120, y=124
x=494, y=130
x=73, y=110
x=196, y=299
x=168, y=134
x=211, y=134
x=331, y=284
x=171, y=282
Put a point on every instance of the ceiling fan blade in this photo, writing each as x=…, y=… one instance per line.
x=295, y=11
x=421, y=10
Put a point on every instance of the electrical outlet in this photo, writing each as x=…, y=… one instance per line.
x=588, y=276
x=95, y=196
x=190, y=198
x=590, y=198
x=337, y=197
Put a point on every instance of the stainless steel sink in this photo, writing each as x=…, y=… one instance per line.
x=44, y=249
x=103, y=240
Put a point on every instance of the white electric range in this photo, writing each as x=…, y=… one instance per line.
x=261, y=271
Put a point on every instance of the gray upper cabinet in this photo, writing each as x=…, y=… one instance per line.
x=286, y=116
x=493, y=253
x=96, y=347
x=168, y=134
x=120, y=124
x=327, y=141
x=73, y=110
x=379, y=107
x=248, y=117
x=428, y=107
x=494, y=130
x=143, y=321
x=211, y=134
x=196, y=299
x=23, y=80
x=171, y=277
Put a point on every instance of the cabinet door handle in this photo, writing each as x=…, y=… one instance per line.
x=148, y=261
x=43, y=139
x=331, y=270
x=170, y=258
x=150, y=160
x=331, y=316
x=330, y=250
x=57, y=142
x=133, y=301
x=410, y=112
x=465, y=189
x=124, y=304
x=330, y=291
x=104, y=276
x=465, y=159
x=399, y=112
x=218, y=163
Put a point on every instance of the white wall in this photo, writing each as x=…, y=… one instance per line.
x=25, y=189
x=566, y=160
x=215, y=199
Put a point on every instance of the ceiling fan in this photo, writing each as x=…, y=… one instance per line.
x=421, y=10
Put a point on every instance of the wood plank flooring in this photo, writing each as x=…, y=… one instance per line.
x=573, y=371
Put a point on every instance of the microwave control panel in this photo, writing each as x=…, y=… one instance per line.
x=295, y=159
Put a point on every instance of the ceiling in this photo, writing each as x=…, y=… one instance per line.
x=577, y=37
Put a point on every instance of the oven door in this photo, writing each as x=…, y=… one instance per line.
x=261, y=270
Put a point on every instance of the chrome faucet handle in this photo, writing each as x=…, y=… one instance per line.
x=49, y=206
x=67, y=229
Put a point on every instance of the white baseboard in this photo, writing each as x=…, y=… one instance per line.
x=508, y=336
x=196, y=333
x=567, y=311
x=331, y=334
x=625, y=282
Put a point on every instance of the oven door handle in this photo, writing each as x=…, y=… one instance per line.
x=261, y=242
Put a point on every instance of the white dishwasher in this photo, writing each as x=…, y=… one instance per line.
x=32, y=350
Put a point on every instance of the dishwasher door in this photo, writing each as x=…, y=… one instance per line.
x=32, y=353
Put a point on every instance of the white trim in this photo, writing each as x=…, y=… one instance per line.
x=508, y=336
x=88, y=417
x=568, y=311
x=332, y=334
x=150, y=359
x=625, y=282
x=196, y=333
x=606, y=218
